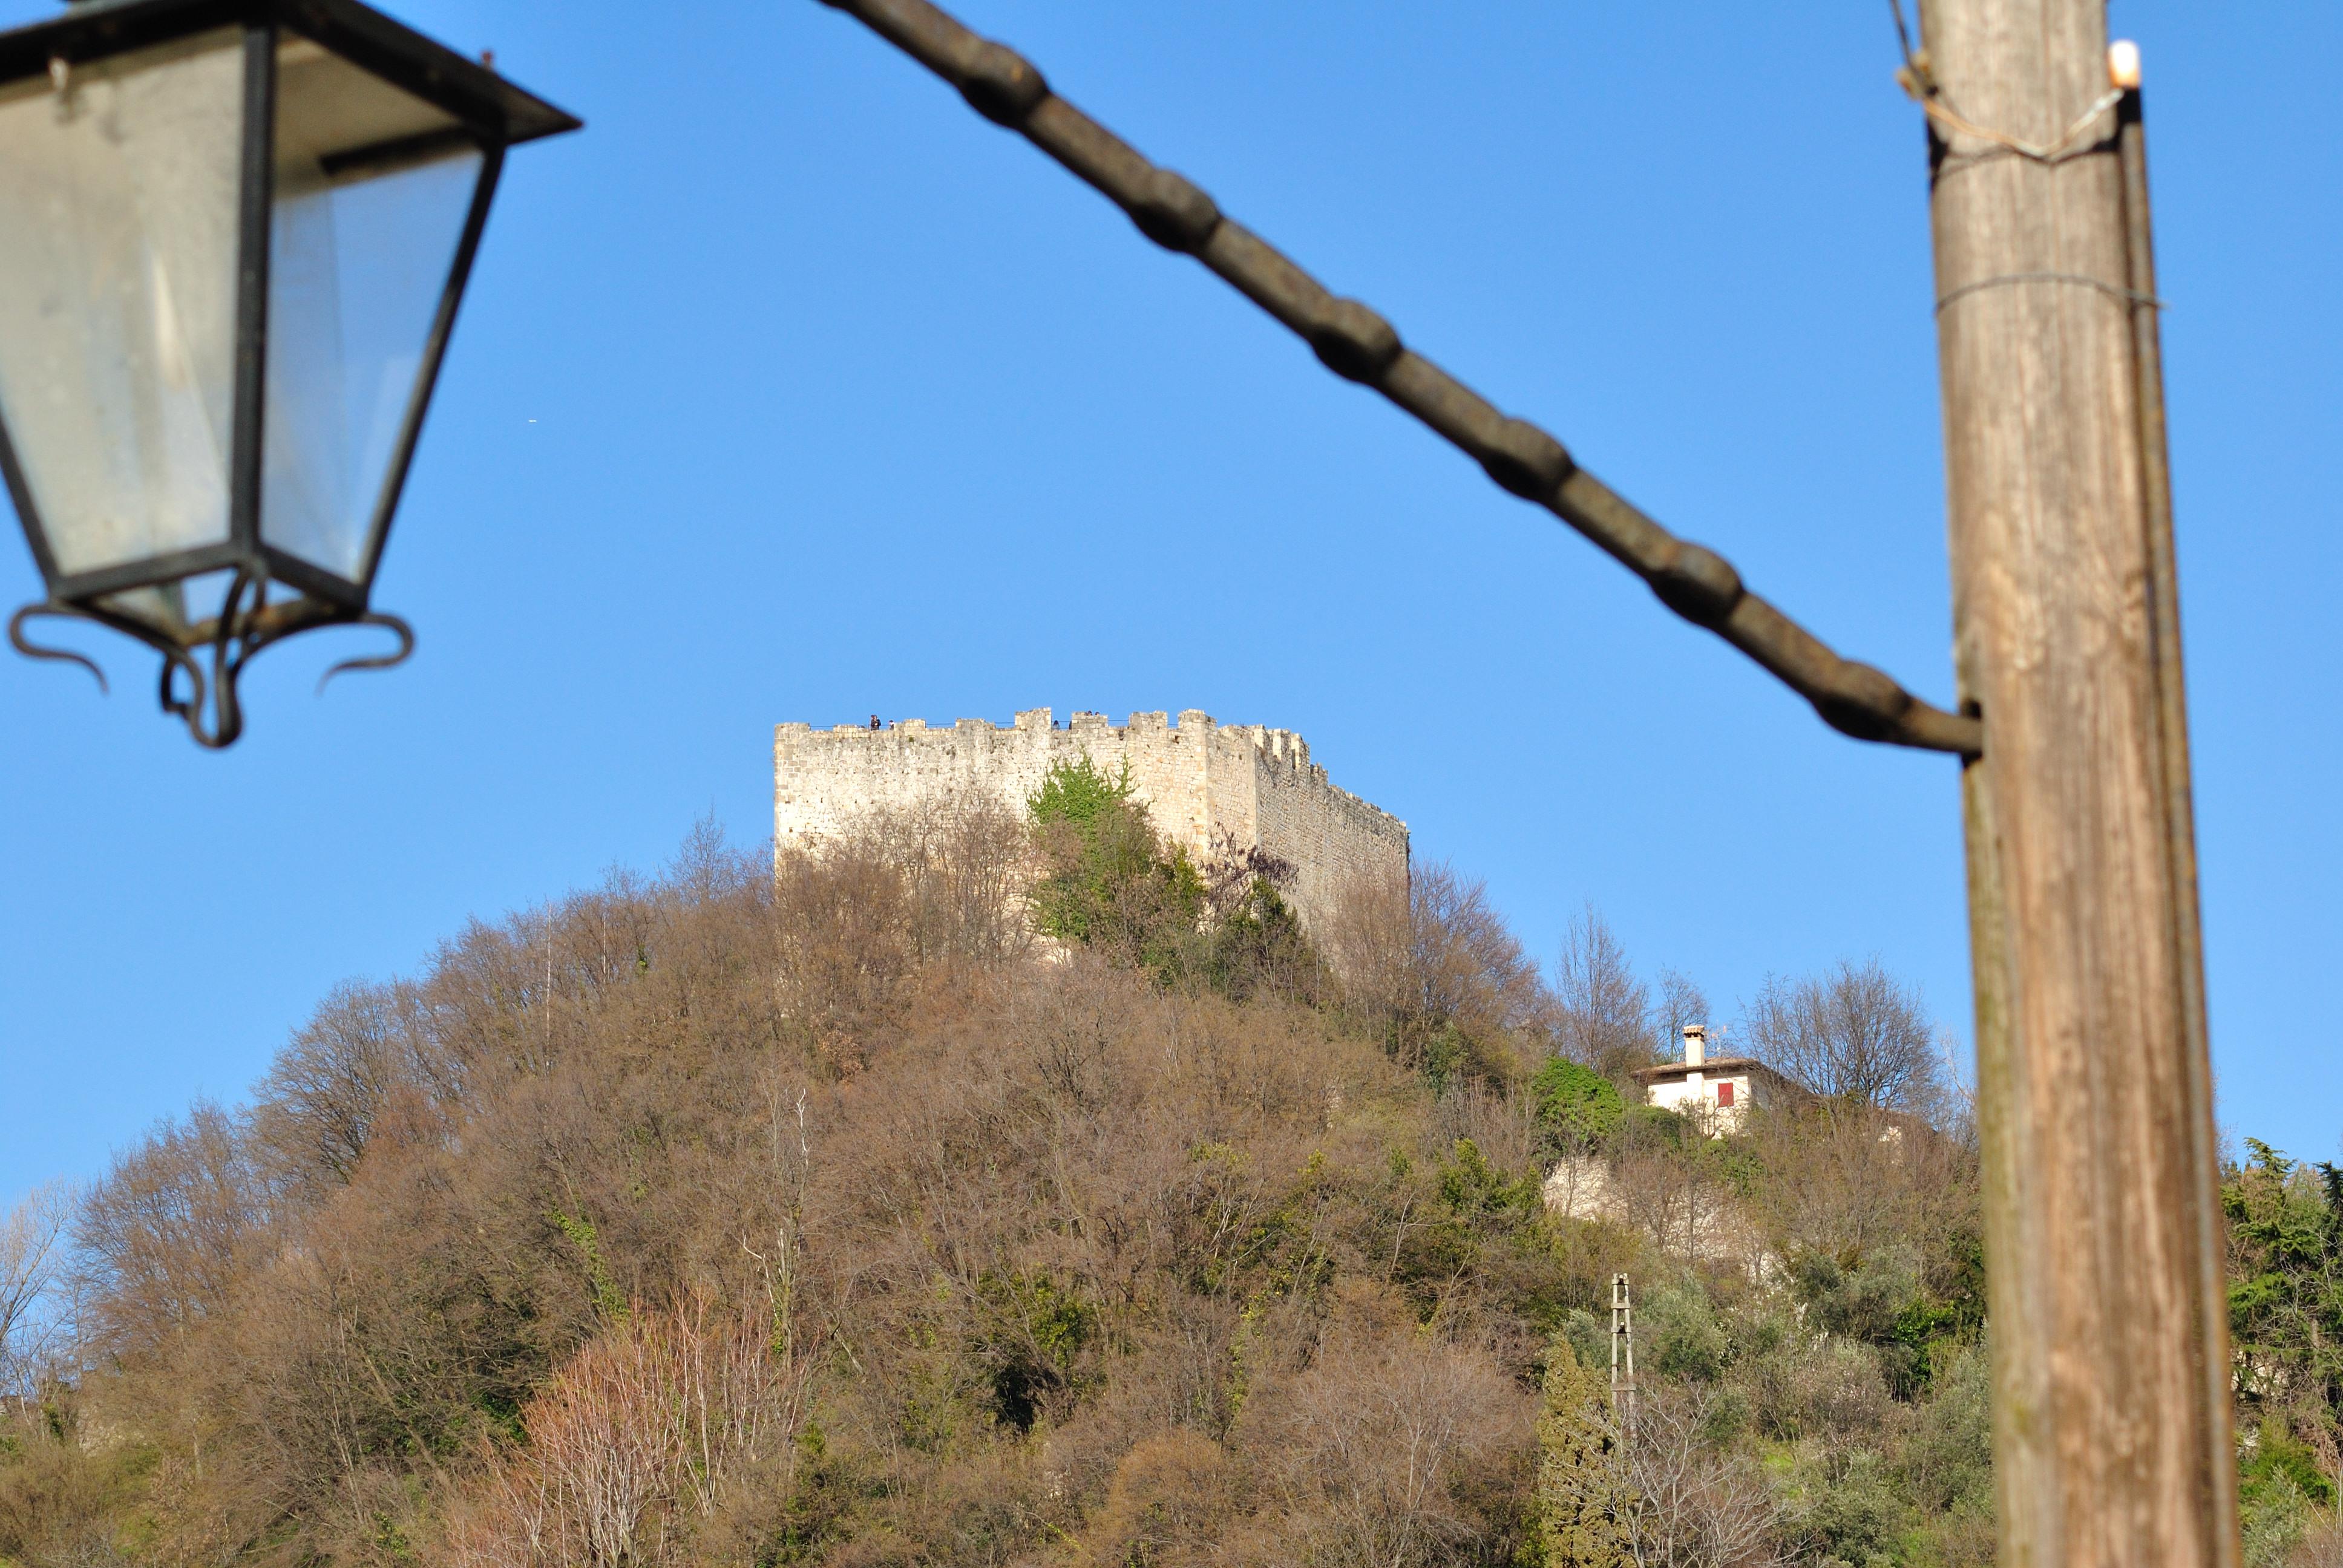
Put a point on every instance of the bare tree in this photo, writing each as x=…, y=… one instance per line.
x=32, y=1253
x=1843, y=1184
x=328, y=1087
x=1681, y=1002
x=966, y=859
x=637, y=1439
x=161, y=1237
x=1605, y=1016
x=2321, y=1546
x=1430, y=955
x=1857, y=1035
x=1692, y=1505
x=1367, y=1449
x=842, y=937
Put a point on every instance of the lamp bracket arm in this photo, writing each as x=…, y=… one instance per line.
x=392, y=661
x=1359, y=345
x=31, y=650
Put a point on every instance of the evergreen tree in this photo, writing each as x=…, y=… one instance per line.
x=1107, y=881
x=1579, y=1495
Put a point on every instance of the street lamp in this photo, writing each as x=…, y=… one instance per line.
x=233, y=236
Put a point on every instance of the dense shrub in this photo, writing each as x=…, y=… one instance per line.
x=1577, y=1107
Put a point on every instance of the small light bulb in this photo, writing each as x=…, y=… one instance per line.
x=2123, y=64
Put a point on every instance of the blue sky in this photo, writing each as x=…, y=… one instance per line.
x=791, y=390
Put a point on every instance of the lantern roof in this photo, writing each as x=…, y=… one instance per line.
x=468, y=89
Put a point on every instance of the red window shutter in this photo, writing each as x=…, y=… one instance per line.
x=1724, y=1093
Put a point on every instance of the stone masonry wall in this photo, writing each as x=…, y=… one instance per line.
x=1206, y=785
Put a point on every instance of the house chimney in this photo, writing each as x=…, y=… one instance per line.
x=1695, y=1045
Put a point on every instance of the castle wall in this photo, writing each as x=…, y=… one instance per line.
x=1333, y=839
x=1206, y=785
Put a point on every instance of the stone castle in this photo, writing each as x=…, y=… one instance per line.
x=1211, y=788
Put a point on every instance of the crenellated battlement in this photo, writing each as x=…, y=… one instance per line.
x=1208, y=786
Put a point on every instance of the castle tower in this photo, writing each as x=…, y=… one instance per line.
x=1209, y=786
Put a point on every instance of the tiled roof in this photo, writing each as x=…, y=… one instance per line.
x=1721, y=1066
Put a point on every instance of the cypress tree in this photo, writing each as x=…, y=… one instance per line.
x=1579, y=1495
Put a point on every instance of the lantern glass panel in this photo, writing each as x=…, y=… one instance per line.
x=117, y=299
x=173, y=608
x=373, y=189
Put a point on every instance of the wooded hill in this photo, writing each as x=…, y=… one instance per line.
x=876, y=1212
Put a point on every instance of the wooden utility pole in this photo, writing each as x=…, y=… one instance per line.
x=2111, y=1416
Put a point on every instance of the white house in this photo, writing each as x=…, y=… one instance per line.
x=1718, y=1092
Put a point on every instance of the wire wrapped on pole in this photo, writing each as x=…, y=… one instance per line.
x=1356, y=342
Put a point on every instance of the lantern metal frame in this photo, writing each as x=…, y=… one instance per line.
x=491, y=114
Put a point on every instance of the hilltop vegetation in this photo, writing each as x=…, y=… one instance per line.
x=873, y=1212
